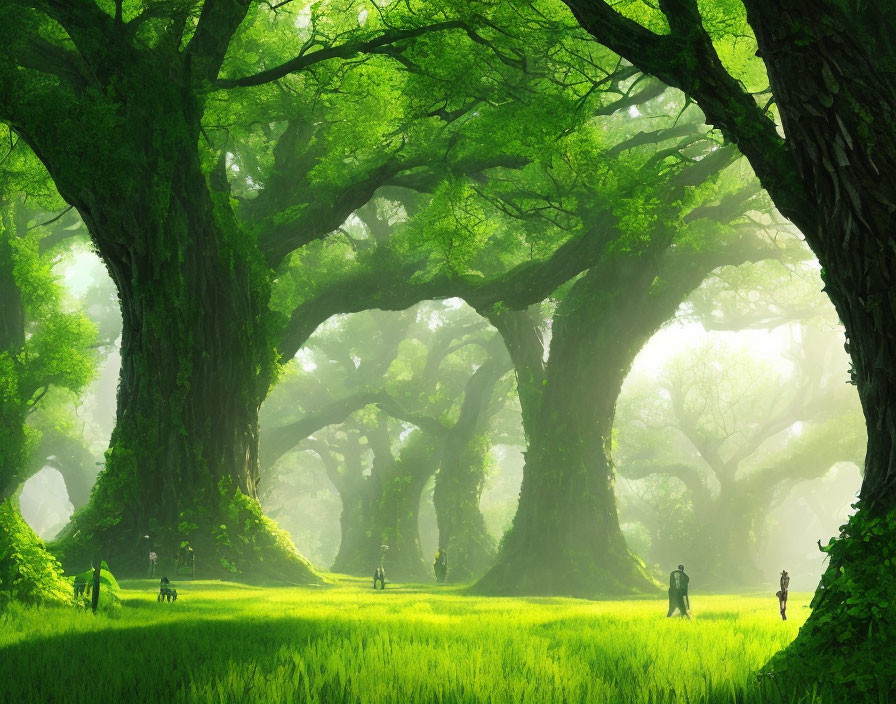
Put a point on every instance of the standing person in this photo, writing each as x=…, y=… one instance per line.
x=782, y=594
x=379, y=574
x=440, y=566
x=678, y=593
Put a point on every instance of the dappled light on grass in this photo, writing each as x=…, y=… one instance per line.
x=231, y=643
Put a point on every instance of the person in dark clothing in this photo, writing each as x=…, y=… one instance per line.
x=678, y=593
x=782, y=594
x=440, y=565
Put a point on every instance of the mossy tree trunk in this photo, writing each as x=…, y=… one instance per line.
x=565, y=538
x=196, y=358
x=461, y=477
x=831, y=75
x=195, y=365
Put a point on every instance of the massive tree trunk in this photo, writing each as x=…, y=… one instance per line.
x=565, y=538
x=830, y=70
x=196, y=363
x=458, y=488
x=383, y=509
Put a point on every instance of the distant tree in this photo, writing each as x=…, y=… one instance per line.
x=737, y=435
x=422, y=377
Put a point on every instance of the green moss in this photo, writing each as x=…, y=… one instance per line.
x=251, y=544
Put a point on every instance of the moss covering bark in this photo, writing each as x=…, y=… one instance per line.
x=848, y=643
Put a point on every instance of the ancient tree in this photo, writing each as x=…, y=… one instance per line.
x=829, y=66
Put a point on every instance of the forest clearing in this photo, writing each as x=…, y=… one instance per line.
x=229, y=643
x=531, y=310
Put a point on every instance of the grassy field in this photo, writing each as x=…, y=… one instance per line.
x=233, y=643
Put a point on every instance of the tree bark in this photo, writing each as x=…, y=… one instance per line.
x=565, y=538
x=196, y=363
x=830, y=74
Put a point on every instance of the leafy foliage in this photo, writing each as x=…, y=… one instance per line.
x=848, y=645
x=28, y=572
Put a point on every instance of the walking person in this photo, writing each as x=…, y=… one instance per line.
x=678, y=593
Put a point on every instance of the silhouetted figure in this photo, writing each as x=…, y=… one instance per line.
x=440, y=566
x=95, y=593
x=782, y=594
x=678, y=593
x=167, y=592
x=379, y=574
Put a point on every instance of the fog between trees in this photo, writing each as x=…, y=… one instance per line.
x=752, y=363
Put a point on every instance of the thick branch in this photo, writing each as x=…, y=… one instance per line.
x=394, y=409
x=217, y=24
x=389, y=289
x=343, y=51
x=689, y=476
x=278, y=441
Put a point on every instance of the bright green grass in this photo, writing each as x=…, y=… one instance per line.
x=232, y=643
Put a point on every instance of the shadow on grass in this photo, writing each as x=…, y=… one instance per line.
x=152, y=662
